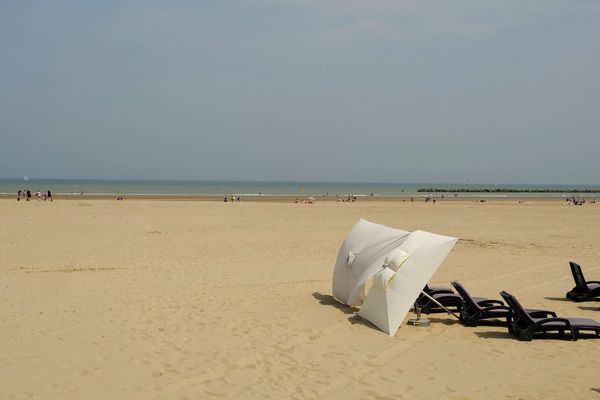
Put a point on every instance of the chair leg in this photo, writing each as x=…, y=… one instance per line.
x=471, y=321
x=526, y=336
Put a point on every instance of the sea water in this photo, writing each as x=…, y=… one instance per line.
x=247, y=188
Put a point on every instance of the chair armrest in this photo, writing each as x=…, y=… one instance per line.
x=490, y=302
x=553, y=319
x=540, y=313
x=439, y=291
x=497, y=307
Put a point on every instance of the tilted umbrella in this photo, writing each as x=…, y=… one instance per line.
x=400, y=280
x=361, y=255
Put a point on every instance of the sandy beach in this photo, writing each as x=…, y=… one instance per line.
x=203, y=299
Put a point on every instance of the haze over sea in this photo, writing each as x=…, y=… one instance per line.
x=257, y=188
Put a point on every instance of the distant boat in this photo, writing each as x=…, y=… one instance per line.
x=25, y=178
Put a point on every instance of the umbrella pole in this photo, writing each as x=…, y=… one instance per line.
x=438, y=303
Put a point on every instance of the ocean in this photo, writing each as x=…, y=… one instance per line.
x=243, y=188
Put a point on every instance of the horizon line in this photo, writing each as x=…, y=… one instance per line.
x=495, y=183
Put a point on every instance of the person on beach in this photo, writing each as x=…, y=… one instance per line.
x=49, y=195
x=28, y=195
x=19, y=195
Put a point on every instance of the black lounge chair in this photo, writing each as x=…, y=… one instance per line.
x=451, y=301
x=446, y=297
x=435, y=289
x=525, y=325
x=443, y=294
x=583, y=290
x=475, y=309
x=472, y=311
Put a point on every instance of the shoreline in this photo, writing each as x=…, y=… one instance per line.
x=291, y=199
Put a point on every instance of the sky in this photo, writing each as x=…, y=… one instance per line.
x=314, y=90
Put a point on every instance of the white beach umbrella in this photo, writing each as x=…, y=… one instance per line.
x=361, y=255
x=398, y=283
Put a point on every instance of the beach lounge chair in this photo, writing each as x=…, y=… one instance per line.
x=524, y=325
x=434, y=289
x=473, y=310
x=441, y=293
x=446, y=297
x=452, y=301
x=583, y=290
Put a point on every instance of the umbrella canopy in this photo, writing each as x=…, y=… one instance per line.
x=398, y=283
x=361, y=255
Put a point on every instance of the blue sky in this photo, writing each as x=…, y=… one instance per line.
x=386, y=91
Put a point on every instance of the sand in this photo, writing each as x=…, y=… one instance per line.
x=195, y=300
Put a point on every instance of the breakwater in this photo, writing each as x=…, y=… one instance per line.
x=504, y=190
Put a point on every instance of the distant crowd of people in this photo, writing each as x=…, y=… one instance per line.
x=429, y=198
x=231, y=198
x=26, y=195
x=348, y=198
x=309, y=200
x=578, y=201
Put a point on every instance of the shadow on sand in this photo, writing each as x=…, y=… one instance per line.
x=494, y=335
x=357, y=319
x=594, y=300
x=328, y=300
x=587, y=308
x=446, y=320
x=558, y=299
x=538, y=336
